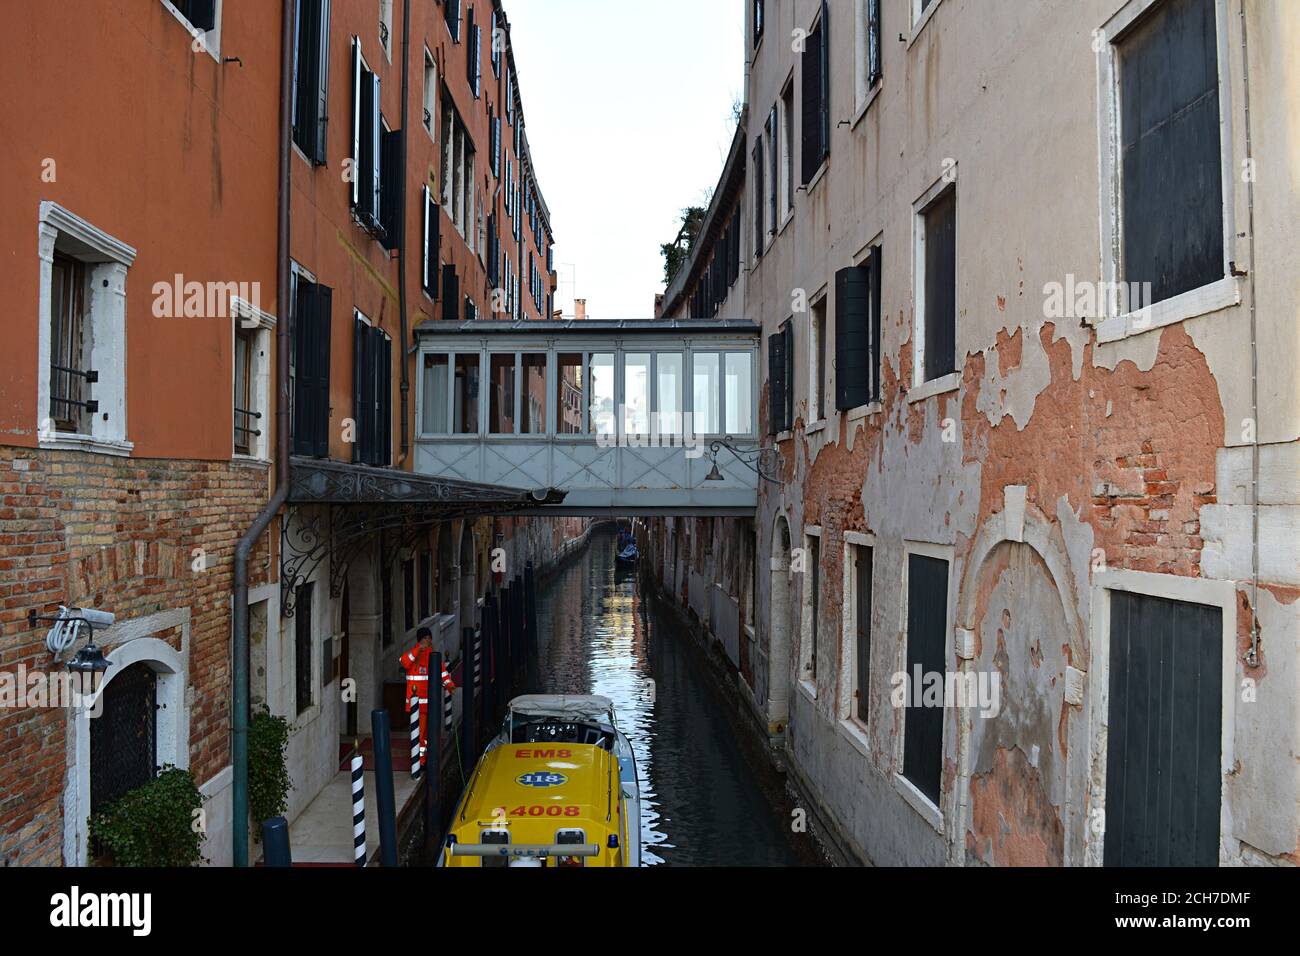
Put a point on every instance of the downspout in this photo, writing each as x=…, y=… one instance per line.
x=1252, y=655
x=239, y=601
x=401, y=227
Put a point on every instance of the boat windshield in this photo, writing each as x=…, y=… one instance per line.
x=545, y=729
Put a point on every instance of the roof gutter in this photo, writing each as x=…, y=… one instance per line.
x=239, y=599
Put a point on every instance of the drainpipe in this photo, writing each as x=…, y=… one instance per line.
x=239, y=602
x=1252, y=655
x=401, y=225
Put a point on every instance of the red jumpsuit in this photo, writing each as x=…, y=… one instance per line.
x=416, y=664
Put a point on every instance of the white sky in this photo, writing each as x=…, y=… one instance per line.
x=628, y=106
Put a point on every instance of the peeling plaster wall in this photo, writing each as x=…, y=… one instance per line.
x=1068, y=457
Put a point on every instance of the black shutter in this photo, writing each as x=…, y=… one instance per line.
x=852, y=344
x=359, y=330
x=384, y=399
x=824, y=62
x=927, y=629
x=368, y=131
x=776, y=382
x=312, y=369
x=390, y=172
x=941, y=286
x=810, y=116
x=450, y=293
x=788, y=419
x=866, y=557
x=322, y=83
x=305, y=77
x=453, y=19
x=1163, y=799
x=877, y=355
x=432, y=224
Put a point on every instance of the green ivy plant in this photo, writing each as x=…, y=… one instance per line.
x=153, y=825
x=268, y=774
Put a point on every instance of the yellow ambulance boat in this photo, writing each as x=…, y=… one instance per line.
x=557, y=787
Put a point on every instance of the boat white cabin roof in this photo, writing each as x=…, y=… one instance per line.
x=588, y=706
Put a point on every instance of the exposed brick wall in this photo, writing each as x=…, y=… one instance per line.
x=120, y=535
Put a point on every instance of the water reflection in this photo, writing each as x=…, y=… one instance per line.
x=700, y=805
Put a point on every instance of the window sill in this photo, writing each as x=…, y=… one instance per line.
x=250, y=461
x=66, y=441
x=853, y=731
x=785, y=435
x=866, y=105
x=789, y=217
x=921, y=21
x=936, y=386
x=919, y=802
x=808, y=689
x=815, y=427
x=862, y=411
x=1221, y=294
x=817, y=176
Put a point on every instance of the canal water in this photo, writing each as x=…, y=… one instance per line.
x=703, y=802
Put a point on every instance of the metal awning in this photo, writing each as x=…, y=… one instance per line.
x=319, y=481
x=336, y=509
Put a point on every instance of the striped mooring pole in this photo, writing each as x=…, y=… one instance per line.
x=358, y=810
x=415, y=741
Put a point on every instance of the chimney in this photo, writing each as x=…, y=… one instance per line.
x=579, y=309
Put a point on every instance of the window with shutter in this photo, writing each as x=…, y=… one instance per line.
x=311, y=334
x=810, y=116
x=788, y=419
x=311, y=79
x=366, y=140
x=927, y=630
x=939, y=314
x=429, y=262
x=874, y=68
x=876, y=347
x=452, y=14
x=776, y=346
x=391, y=168
x=852, y=337
x=450, y=294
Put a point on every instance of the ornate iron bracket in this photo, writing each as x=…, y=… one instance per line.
x=762, y=460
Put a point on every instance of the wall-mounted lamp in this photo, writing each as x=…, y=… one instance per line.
x=67, y=627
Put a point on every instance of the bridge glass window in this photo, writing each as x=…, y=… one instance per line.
x=533, y=400
x=568, y=393
x=668, y=392
x=636, y=393
x=465, y=395
x=705, y=393
x=601, y=388
x=739, y=380
x=501, y=411
x=435, y=395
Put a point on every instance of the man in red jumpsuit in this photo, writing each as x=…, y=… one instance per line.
x=416, y=664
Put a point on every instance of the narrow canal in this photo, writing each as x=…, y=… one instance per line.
x=703, y=804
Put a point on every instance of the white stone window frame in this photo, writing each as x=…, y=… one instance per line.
x=851, y=728
x=107, y=260
x=932, y=814
x=919, y=18
x=431, y=94
x=863, y=95
x=785, y=152
x=806, y=603
x=1213, y=296
x=386, y=30
x=1174, y=587
x=921, y=388
x=248, y=316
x=860, y=260
x=818, y=347
x=126, y=643
x=211, y=39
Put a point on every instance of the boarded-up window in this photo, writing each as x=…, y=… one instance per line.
x=1170, y=151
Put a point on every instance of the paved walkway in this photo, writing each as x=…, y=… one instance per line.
x=322, y=834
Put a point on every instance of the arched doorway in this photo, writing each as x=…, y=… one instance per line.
x=778, y=657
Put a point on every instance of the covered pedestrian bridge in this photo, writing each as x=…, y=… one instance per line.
x=625, y=418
